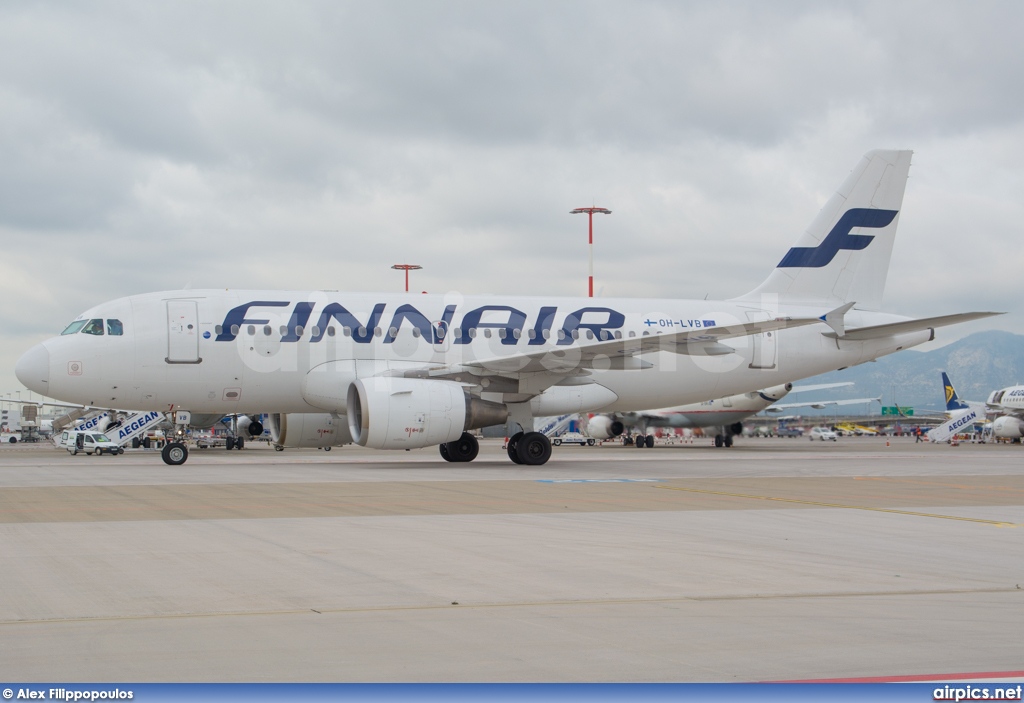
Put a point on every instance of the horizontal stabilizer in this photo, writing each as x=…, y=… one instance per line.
x=878, y=331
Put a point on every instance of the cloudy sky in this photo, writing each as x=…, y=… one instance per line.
x=148, y=146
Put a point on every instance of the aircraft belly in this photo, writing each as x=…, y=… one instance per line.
x=690, y=420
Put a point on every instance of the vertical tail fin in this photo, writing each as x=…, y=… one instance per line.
x=953, y=403
x=843, y=257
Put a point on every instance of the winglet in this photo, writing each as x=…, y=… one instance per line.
x=835, y=320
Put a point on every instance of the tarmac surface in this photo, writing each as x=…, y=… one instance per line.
x=778, y=559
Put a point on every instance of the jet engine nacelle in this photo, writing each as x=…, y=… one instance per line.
x=1008, y=427
x=604, y=427
x=308, y=430
x=387, y=412
x=249, y=426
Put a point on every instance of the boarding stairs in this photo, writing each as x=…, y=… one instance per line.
x=134, y=426
x=556, y=425
x=77, y=414
x=960, y=423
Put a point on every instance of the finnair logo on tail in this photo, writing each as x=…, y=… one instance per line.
x=839, y=238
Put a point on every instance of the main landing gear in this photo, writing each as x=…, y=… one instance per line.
x=465, y=448
x=174, y=453
x=725, y=439
x=641, y=441
x=529, y=448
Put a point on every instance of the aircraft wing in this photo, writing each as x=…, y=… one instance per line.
x=561, y=361
x=819, y=387
x=997, y=408
x=876, y=331
x=818, y=404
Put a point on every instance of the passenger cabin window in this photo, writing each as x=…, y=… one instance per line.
x=74, y=327
x=93, y=327
x=115, y=328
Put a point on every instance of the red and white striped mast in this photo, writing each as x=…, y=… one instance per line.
x=407, y=268
x=590, y=214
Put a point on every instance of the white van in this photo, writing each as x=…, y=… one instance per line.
x=89, y=442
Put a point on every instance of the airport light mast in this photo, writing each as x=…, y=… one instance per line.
x=590, y=214
x=407, y=268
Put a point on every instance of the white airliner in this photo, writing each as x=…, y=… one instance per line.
x=401, y=371
x=1008, y=404
x=965, y=415
x=723, y=416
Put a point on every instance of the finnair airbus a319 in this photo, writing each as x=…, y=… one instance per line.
x=401, y=371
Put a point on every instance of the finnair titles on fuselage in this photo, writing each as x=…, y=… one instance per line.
x=397, y=372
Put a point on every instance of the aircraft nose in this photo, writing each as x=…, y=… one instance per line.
x=33, y=369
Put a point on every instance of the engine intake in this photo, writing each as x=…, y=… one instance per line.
x=387, y=412
x=604, y=427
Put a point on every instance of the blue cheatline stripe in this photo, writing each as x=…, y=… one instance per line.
x=534, y=693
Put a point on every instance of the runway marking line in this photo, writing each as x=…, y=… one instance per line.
x=996, y=523
x=1009, y=489
x=522, y=604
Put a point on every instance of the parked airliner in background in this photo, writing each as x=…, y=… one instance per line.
x=723, y=416
x=400, y=372
x=1007, y=405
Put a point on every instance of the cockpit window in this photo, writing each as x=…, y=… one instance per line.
x=74, y=327
x=93, y=327
x=115, y=328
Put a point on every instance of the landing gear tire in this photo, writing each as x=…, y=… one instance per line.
x=728, y=440
x=534, y=449
x=640, y=441
x=649, y=441
x=513, y=447
x=229, y=444
x=719, y=440
x=464, y=449
x=443, y=449
x=174, y=453
x=239, y=442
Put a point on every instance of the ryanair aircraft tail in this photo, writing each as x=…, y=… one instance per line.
x=953, y=403
x=843, y=257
